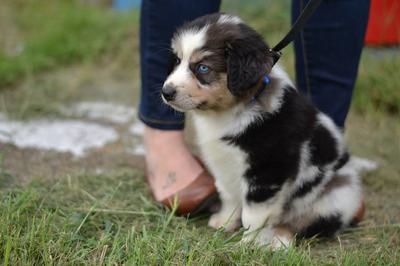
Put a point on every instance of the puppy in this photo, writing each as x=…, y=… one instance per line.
x=280, y=165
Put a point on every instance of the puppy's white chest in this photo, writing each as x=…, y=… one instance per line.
x=226, y=162
x=223, y=158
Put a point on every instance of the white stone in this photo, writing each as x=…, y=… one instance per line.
x=72, y=136
x=106, y=111
x=137, y=129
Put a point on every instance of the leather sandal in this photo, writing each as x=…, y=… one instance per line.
x=196, y=198
x=359, y=214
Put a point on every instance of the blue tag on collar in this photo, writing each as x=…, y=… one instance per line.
x=266, y=80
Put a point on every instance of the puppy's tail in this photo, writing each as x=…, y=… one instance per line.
x=356, y=166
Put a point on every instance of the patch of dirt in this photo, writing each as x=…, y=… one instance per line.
x=26, y=164
x=377, y=137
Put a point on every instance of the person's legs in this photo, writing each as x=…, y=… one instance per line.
x=170, y=165
x=328, y=52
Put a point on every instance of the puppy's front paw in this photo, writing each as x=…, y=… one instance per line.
x=273, y=239
x=230, y=222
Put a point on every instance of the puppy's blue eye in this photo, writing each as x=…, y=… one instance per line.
x=203, y=69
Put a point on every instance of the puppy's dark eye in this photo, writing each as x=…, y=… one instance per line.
x=202, y=69
x=177, y=61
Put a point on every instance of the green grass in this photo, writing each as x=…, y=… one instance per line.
x=377, y=88
x=109, y=219
x=42, y=36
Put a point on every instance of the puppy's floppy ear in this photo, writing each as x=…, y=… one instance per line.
x=247, y=61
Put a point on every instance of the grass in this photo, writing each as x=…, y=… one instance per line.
x=40, y=37
x=53, y=210
x=378, y=83
x=108, y=219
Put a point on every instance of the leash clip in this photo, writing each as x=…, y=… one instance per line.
x=275, y=55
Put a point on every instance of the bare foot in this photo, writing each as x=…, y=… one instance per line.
x=170, y=165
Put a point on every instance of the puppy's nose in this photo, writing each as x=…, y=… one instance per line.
x=169, y=92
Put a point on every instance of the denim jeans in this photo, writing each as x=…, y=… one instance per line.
x=327, y=54
x=159, y=19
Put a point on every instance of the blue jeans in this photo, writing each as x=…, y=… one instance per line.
x=327, y=54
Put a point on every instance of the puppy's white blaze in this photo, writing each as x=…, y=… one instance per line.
x=184, y=45
x=229, y=19
x=189, y=41
x=180, y=76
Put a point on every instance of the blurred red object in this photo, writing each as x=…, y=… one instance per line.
x=384, y=23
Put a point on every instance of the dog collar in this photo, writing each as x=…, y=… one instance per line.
x=265, y=83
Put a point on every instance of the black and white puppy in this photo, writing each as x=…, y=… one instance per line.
x=279, y=164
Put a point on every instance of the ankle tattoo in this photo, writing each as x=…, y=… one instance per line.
x=171, y=179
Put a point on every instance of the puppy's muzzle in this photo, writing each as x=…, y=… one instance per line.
x=168, y=92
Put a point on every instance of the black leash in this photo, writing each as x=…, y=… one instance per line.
x=296, y=28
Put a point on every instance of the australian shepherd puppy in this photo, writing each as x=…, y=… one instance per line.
x=280, y=165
